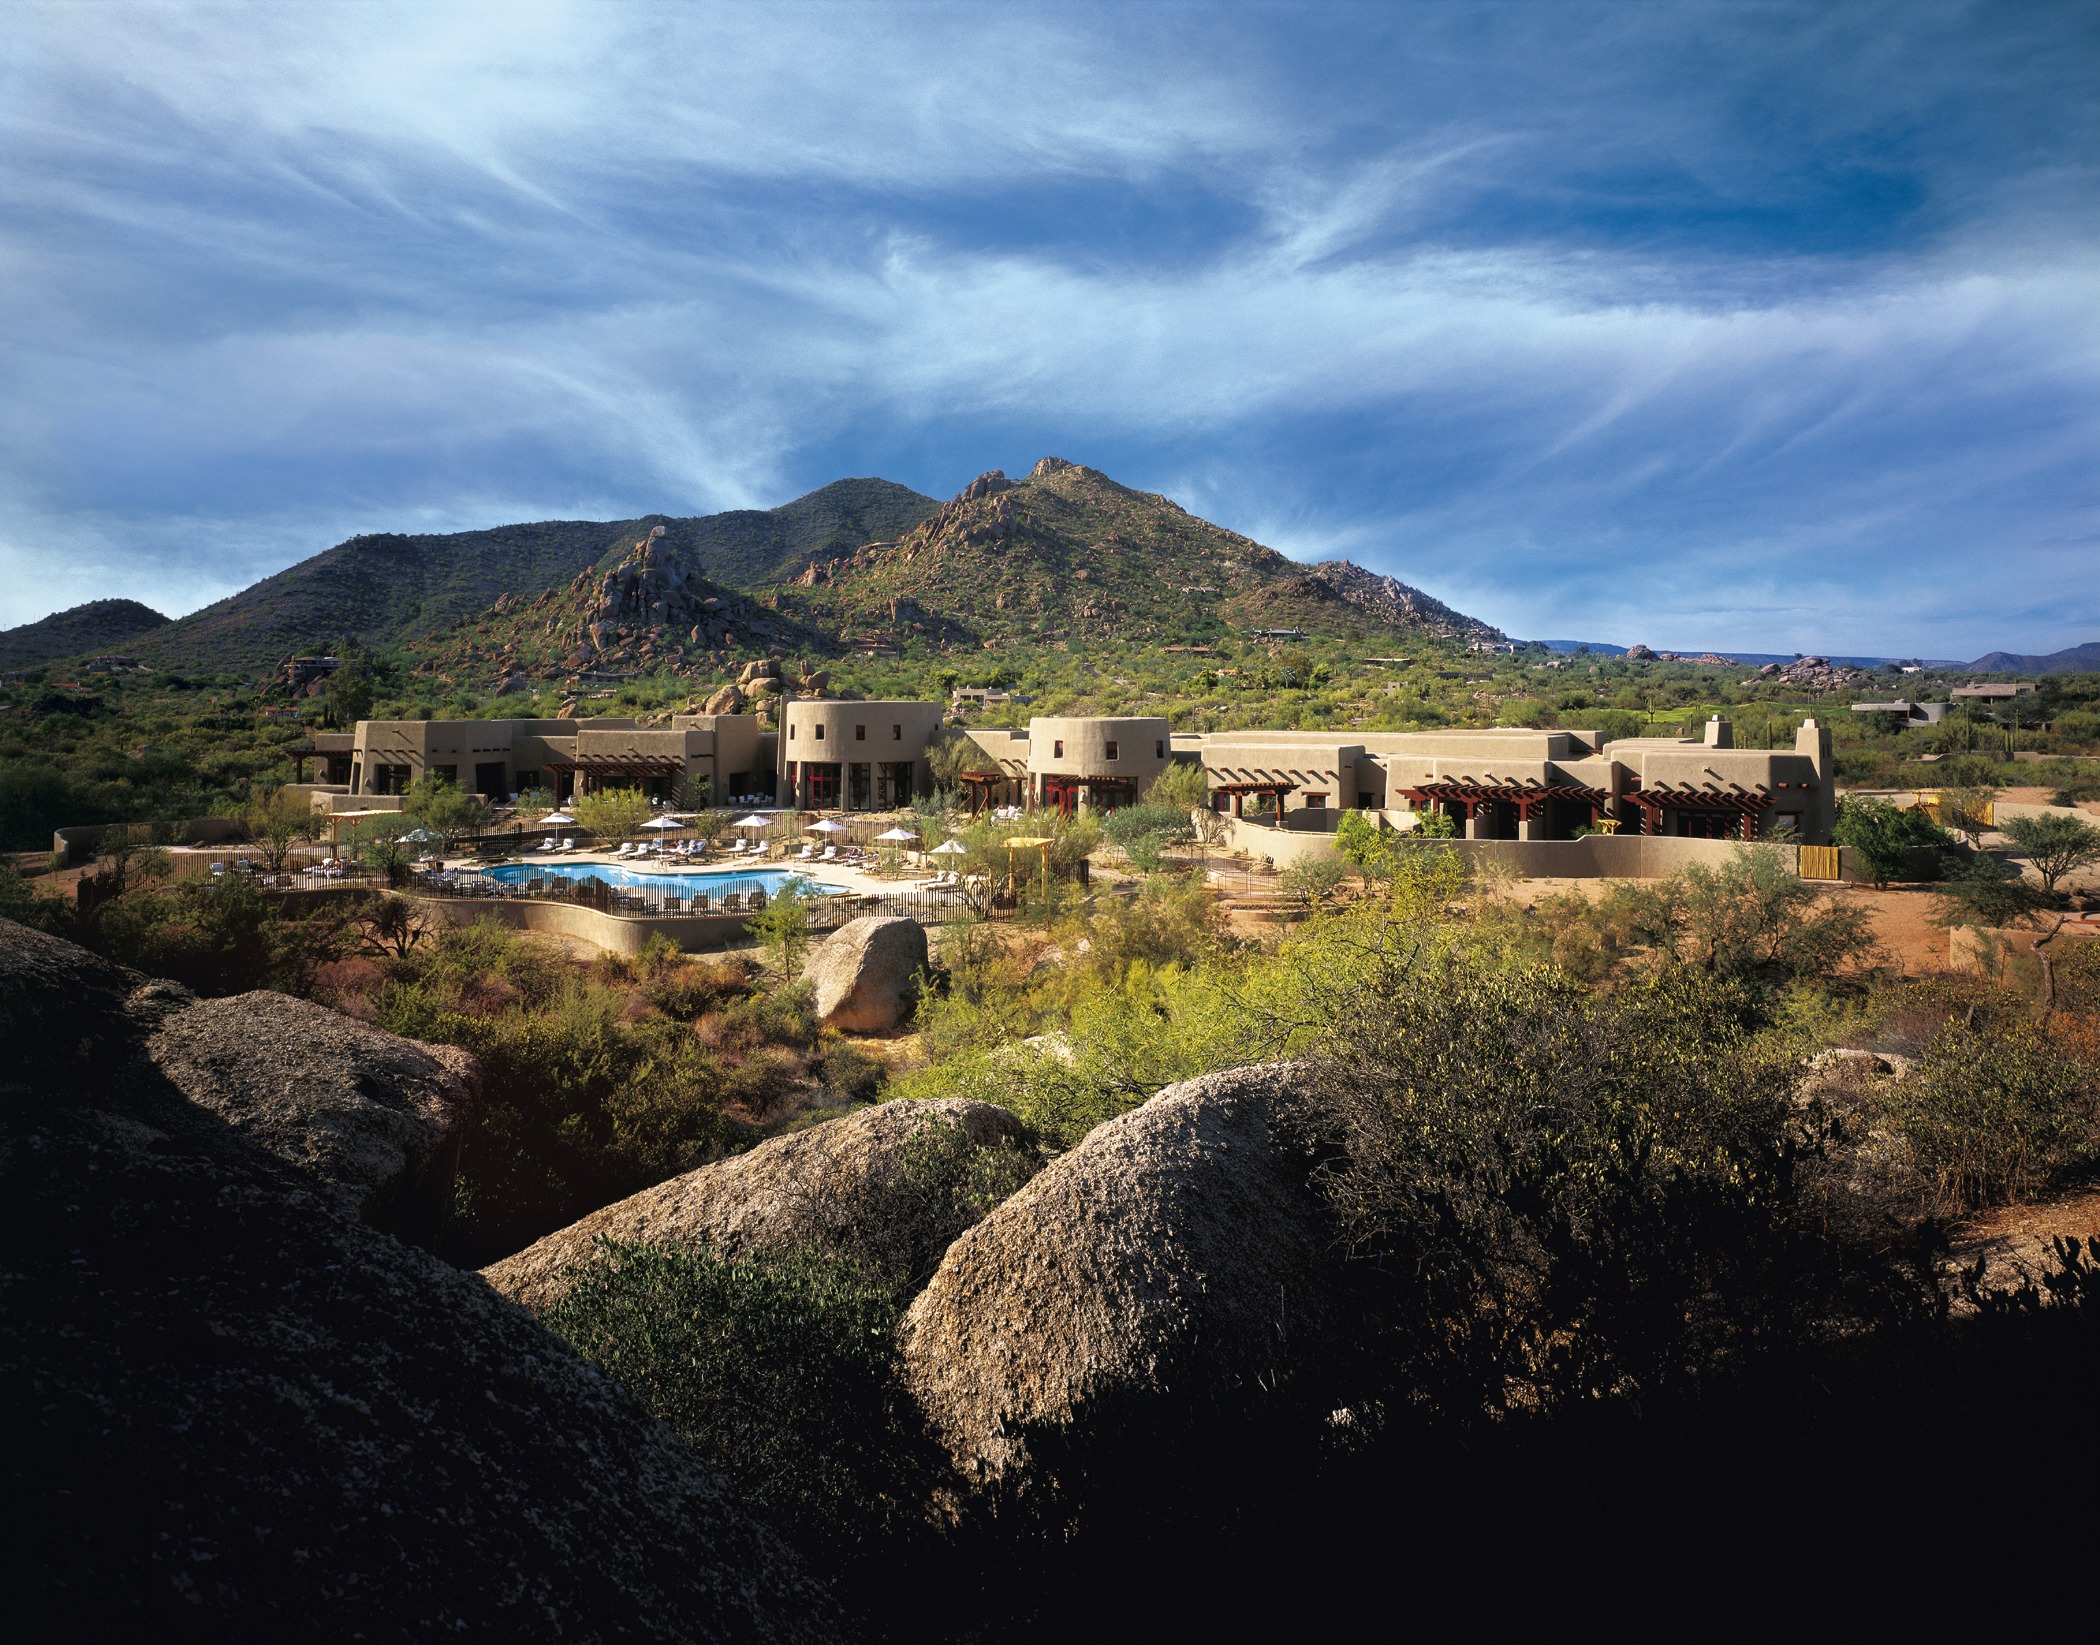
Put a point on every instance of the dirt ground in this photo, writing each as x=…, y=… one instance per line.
x=2015, y=1240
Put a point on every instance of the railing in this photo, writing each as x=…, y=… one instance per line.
x=826, y=912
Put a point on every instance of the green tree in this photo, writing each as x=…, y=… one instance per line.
x=386, y=855
x=279, y=820
x=443, y=807
x=347, y=697
x=614, y=814
x=1184, y=786
x=783, y=926
x=1882, y=836
x=2057, y=845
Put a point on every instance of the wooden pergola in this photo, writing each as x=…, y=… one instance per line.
x=599, y=767
x=1526, y=797
x=1746, y=805
x=1239, y=791
x=983, y=787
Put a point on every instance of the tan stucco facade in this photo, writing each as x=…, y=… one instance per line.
x=718, y=755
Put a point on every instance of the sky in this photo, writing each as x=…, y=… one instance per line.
x=1769, y=327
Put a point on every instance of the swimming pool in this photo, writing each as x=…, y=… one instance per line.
x=719, y=882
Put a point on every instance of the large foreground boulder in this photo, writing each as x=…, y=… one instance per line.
x=866, y=1184
x=237, y=1412
x=1172, y=1262
x=865, y=972
x=362, y=1110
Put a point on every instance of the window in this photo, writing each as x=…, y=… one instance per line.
x=1057, y=749
x=791, y=733
x=1366, y=802
x=820, y=733
x=896, y=733
x=1316, y=802
x=860, y=733
x=1159, y=748
x=1111, y=750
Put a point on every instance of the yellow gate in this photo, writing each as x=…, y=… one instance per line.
x=1819, y=862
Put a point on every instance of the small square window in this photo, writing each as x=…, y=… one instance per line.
x=896, y=733
x=1159, y=748
x=1111, y=750
x=1057, y=749
x=820, y=733
x=860, y=733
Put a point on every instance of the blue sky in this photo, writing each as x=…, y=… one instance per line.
x=1770, y=327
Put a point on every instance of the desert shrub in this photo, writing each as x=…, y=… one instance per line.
x=1751, y=923
x=848, y=1074
x=1995, y=1113
x=1884, y=837
x=2056, y=845
x=1557, y=1196
x=781, y=1373
x=219, y=936
x=1312, y=881
x=1986, y=891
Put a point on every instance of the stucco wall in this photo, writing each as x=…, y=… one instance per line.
x=1143, y=747
x=1594, y=856
x=615, y=933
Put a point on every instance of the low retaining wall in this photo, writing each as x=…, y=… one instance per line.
x=66, y=842
x=615, y=933
x=1593, y=857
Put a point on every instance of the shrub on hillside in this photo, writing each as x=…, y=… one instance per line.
x=1996, y=1113
x=780, y=1372
x=1885, y=838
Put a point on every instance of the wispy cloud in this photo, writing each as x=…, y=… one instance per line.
x=1749, y=327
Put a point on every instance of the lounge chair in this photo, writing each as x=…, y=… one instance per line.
x=830, y=853
x=808, y=850
x=626, y=850
x=732, y=902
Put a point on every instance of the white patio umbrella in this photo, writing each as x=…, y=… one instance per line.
x=897, y=835
x=558, y=819
x=659, y=824
x=953, y=848
x=826, y=826
x=753, y=821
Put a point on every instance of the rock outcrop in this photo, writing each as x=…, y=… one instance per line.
x=865, y=973
x=361, y=1110
x=1165, y=1267
x=237, y=1412
x=846, y=1185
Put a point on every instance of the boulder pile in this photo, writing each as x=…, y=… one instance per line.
x=846, y=1185
x=240, y=1412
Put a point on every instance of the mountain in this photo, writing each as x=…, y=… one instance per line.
x=651, y=611
x=1392, y=601
x=388, y=589
x=1070, y=555
x=100, y=625
x=2076, y=659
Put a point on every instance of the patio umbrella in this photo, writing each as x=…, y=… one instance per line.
x=558, y=819
x=827, y=826
x=753, y=821
x=899, y=835
x=659, y=824
x=418, y=836
x=954, y=848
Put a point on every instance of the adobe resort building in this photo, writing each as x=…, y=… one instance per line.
x=829, y=754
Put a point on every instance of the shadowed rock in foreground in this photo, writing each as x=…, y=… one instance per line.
x=1171, y=1262
x=845, y=1185
x=238, y=1412
x=362, y=1110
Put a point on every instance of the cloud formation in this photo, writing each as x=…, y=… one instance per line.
x=1768, y=327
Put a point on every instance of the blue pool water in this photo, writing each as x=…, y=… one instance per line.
x=716, y=883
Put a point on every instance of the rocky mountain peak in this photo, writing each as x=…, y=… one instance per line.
x=986, y=484
x=1047, y=466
